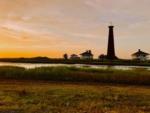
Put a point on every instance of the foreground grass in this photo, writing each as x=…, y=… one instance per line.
x=72, y=74
x=40, y=97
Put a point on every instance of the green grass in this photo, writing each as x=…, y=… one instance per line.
x=73, y=74
x=40, y=97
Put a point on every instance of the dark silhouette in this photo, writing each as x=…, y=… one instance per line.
x=74, y=57
x=66, y=56
x=102, y=57
x=111, y=47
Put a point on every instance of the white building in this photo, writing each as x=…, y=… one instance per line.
x=140, y=55
x=87, y=55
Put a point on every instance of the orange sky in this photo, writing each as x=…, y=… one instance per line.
x=51, y=28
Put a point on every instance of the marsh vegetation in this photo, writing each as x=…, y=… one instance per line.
x=46, y=97
x=73, y=90
x=74, y=74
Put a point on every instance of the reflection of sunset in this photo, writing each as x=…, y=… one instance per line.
x=54, y=27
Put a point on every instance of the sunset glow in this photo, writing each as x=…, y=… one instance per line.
x=30, y=28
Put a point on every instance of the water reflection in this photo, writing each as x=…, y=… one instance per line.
x=34, y=65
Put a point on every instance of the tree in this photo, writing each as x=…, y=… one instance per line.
x=65, y=56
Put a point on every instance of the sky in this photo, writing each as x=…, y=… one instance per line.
x=30, y=28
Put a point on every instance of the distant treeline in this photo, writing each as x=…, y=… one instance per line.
x=73, y=74
x=79, y=61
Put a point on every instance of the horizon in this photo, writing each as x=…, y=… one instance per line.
x=52, y=28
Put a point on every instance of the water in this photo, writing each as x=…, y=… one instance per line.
x=34, y=65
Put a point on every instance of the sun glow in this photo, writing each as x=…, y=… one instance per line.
x=52, y=27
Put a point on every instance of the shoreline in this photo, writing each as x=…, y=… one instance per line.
x=98, y=63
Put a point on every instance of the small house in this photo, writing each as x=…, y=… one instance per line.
x=102, y=57
x=74, y=57
x=140, y=55
x=87, y=55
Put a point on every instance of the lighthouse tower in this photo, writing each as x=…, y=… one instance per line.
x=111, y=47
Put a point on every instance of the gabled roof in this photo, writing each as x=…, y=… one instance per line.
x=140, y=53
x=87, y=53
x=74, y=55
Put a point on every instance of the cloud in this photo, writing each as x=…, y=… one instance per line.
x=61, y=24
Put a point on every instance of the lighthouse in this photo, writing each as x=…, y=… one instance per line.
x=111, y=46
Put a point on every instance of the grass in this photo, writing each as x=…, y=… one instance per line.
x=73, y=74
x=73, y=90
x=45, y=97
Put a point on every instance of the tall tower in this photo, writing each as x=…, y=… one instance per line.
x=111, y=47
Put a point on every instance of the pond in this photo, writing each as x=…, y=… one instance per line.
x=34, y=65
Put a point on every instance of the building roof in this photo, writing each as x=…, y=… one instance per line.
x=140, y=53
x=74, y=55
x=102, y=56
x=87, y=53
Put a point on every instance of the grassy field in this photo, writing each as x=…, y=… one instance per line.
x=73, y=74
x=73, y=90
x=46, y=97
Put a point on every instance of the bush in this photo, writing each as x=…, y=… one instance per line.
x=73, y=74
